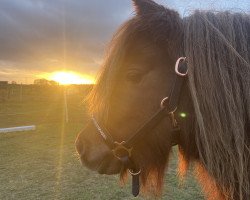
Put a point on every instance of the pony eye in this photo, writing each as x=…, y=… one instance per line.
x=134, y=77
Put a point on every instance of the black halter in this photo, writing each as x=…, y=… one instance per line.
x=123, y=150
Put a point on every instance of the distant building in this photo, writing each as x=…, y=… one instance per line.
x=3, y=82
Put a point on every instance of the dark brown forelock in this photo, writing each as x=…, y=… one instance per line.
x=160, y=29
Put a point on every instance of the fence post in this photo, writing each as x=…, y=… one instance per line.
x=66, y=105
x=21, y=92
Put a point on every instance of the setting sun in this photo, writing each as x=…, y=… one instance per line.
x=67, y=77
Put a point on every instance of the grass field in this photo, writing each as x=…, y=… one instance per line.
x=42, y=164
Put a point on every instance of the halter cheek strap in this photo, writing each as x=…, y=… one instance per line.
x=168, y=106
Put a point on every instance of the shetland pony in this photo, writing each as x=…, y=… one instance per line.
x=213, y=109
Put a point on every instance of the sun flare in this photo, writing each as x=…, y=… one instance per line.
x=68, y=77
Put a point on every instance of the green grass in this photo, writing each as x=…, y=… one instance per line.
x=42, y=164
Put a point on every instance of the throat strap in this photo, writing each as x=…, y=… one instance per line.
x=135, y=185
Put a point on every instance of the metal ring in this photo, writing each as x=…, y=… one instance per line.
x=120, y=146
x=163, y=101
x=177, y=67
x=134, y=173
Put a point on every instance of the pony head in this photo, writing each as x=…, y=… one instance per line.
x=138, y=72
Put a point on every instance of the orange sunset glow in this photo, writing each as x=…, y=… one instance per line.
x=69, y=77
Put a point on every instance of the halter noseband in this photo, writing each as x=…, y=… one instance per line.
x=168, y=106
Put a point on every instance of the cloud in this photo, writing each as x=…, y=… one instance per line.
x=45, y=35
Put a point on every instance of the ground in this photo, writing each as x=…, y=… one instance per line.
x=43, y=164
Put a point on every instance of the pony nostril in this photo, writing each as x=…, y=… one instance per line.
x=79, y=146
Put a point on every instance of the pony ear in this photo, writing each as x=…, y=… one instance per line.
x=146, y=6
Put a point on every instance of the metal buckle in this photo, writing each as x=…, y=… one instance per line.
x=173, y=120
x=171, y=113
x=183, y=59
x=163, y=101
x=120, y=151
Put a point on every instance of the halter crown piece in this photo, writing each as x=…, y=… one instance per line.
x=168, y=105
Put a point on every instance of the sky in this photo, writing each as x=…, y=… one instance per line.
x=38, y=37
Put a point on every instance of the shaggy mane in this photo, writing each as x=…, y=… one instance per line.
x=217, y=46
